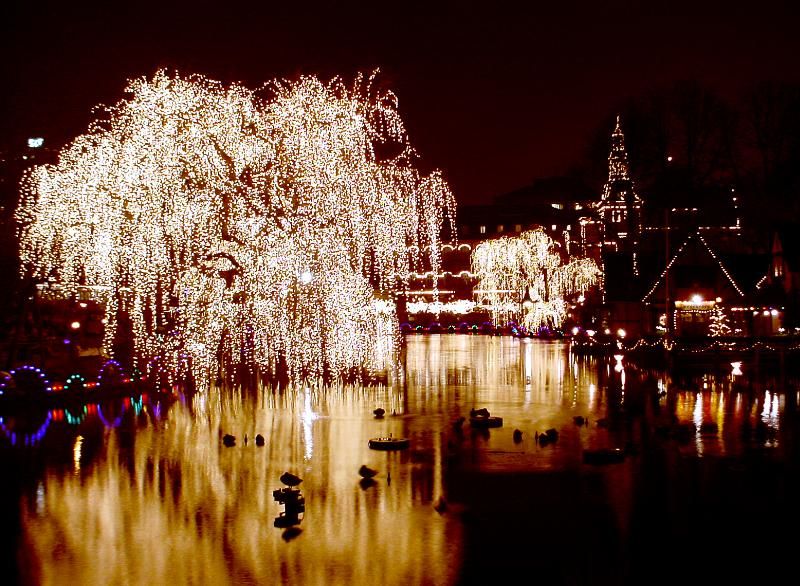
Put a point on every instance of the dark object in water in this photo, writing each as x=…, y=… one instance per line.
x=486, y=421
x=483, y=412
x=290, y=533
x=458, y=423
x=367, y=472
x=290, y=479
x=709, y=428
x=379, y=413
x=517, y=436
x=603, y=456
x=291, y=497
x=229, y=440
x=365, y=483
x=286, y=520
x=259, y=440
x=388, y=443
x=602, y=422
x=548, y=437
x=440, y=506
x=579, y=420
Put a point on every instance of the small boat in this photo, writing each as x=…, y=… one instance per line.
x=389, y=443
x=367, y=472
x=603, y=456
x=379, y=413
x=483, y=422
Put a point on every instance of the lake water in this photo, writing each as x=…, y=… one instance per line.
x=135, y=492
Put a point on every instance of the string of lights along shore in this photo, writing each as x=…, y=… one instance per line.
x=262, y=232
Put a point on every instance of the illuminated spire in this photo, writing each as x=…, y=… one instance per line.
x=620, y=205
x=618, y=157
x=619, y=187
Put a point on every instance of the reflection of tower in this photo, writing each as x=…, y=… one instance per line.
x=620, y=206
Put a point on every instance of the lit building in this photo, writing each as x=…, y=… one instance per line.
x=620, y=207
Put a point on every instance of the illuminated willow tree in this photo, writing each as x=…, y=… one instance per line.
x=239, y=232
x=507, y=268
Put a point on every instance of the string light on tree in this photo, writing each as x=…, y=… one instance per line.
x=240, y=231
x=530, y=267
x=718, y=325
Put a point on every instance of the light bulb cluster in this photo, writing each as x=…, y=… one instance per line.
x=509, y=267
x=240, y=231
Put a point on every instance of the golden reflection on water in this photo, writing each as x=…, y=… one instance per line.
x=158, y=499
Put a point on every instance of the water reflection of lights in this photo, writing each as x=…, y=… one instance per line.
x=308, y=417
x=697, y=419
x=528, y=360
x=770, y=410
x=736, y=368
x=76, y=453
x=183, y=494
x=40, y=498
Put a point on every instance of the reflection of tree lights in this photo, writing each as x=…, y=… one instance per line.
x=308, y=417
x=618, y=366
x=737, y=368
x=199, y=210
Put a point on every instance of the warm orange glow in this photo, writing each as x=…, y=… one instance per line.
x=255, y=232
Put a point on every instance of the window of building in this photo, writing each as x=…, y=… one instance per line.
x=500, y=228
x=554, y=227
x=483, y=229
x=517, y=227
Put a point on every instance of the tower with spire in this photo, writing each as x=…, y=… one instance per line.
x=620, y=207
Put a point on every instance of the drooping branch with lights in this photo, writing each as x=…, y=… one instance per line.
x=508, y=268
x=239, y=231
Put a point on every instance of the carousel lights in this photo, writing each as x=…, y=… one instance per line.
x=241, y=229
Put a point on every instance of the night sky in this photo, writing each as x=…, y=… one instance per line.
x=492, y=94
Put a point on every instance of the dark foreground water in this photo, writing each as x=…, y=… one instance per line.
x=134, y=492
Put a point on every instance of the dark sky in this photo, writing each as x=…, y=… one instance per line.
x=494, y=94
